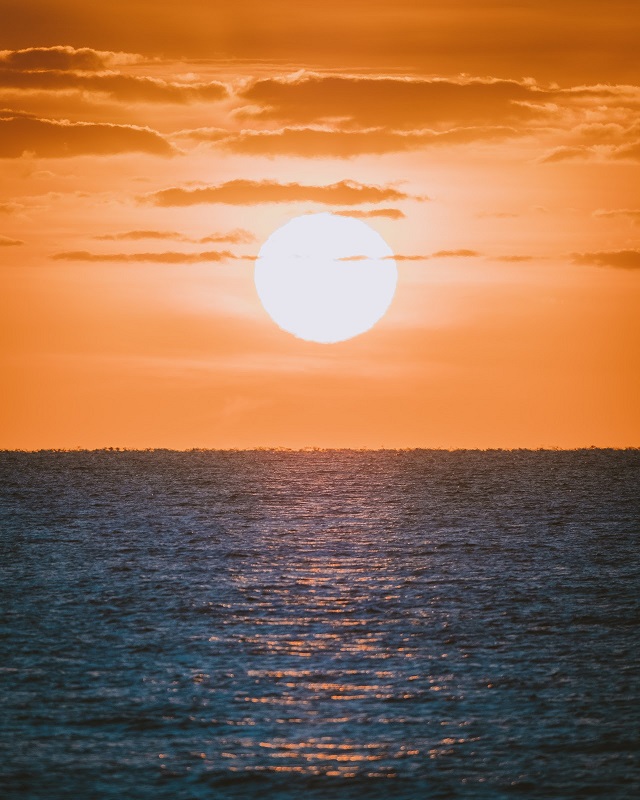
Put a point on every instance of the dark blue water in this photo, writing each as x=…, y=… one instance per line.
x=326, y=625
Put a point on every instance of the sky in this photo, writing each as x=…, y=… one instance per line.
x=148, y=149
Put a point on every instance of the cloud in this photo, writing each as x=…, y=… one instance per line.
x=316, y=142
x=202, y=134
x=118, y=86
x=85, y=70
x=59, y=138
x=605, y=150
x=567, y=154
x=134, y=236
x=398, y=102
x=630, y=213
x=64, y=58
x=10, y=208
x=342, y=116
x=598, y=133
x=237, y=236
x=246, y=192
x=456, y=254
x=158, y=258
x=617, y=259
x=173, y=257
x=389, y=213
x=418, y=257
x=5, y=241
x=555, y=40
x=629, y=152
x=447, y=254
x=394, y=257
x=598, y=96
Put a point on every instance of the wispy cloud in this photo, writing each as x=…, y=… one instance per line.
x=63, y=57
x=10, y=208
x=68, y=69
x=629, y=152
x=135, y=236
x=118, y=86
x=246, y=192
x=617, y=259
x=237, y=236
x=456, y=254
x=158, y=258
x=60, y=138
x=315, y=142
x=567, y=154
x=417, y=257
x=5, y=241
x=629, y=213
x=555, y=40
x=600, y=152
x=388, y=213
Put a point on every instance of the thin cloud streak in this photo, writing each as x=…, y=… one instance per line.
x=602, y=152
x=336, y=143
x=456, y=254
x=116, y=85
x=159, y=258
x=238, y=236
x=247, y=192
x=615, y=259
x=416, y=257
x=630, y=213
x=388, y=213
x=63, y=57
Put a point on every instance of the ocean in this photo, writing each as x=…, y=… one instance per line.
x=320, y=624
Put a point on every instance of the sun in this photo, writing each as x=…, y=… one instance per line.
x=325, y=278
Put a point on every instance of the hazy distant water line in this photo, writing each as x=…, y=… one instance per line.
x=350, y=624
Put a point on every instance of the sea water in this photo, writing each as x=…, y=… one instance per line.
x=332, y=624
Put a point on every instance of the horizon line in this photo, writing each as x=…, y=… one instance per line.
x=313, y=449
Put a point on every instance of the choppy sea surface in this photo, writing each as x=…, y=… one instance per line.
x=335, y=624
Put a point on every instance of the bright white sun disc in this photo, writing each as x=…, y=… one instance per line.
x=325, y=278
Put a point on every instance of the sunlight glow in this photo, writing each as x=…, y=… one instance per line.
x=325, y=278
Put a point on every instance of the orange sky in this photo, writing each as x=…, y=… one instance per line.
x=147, y=149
